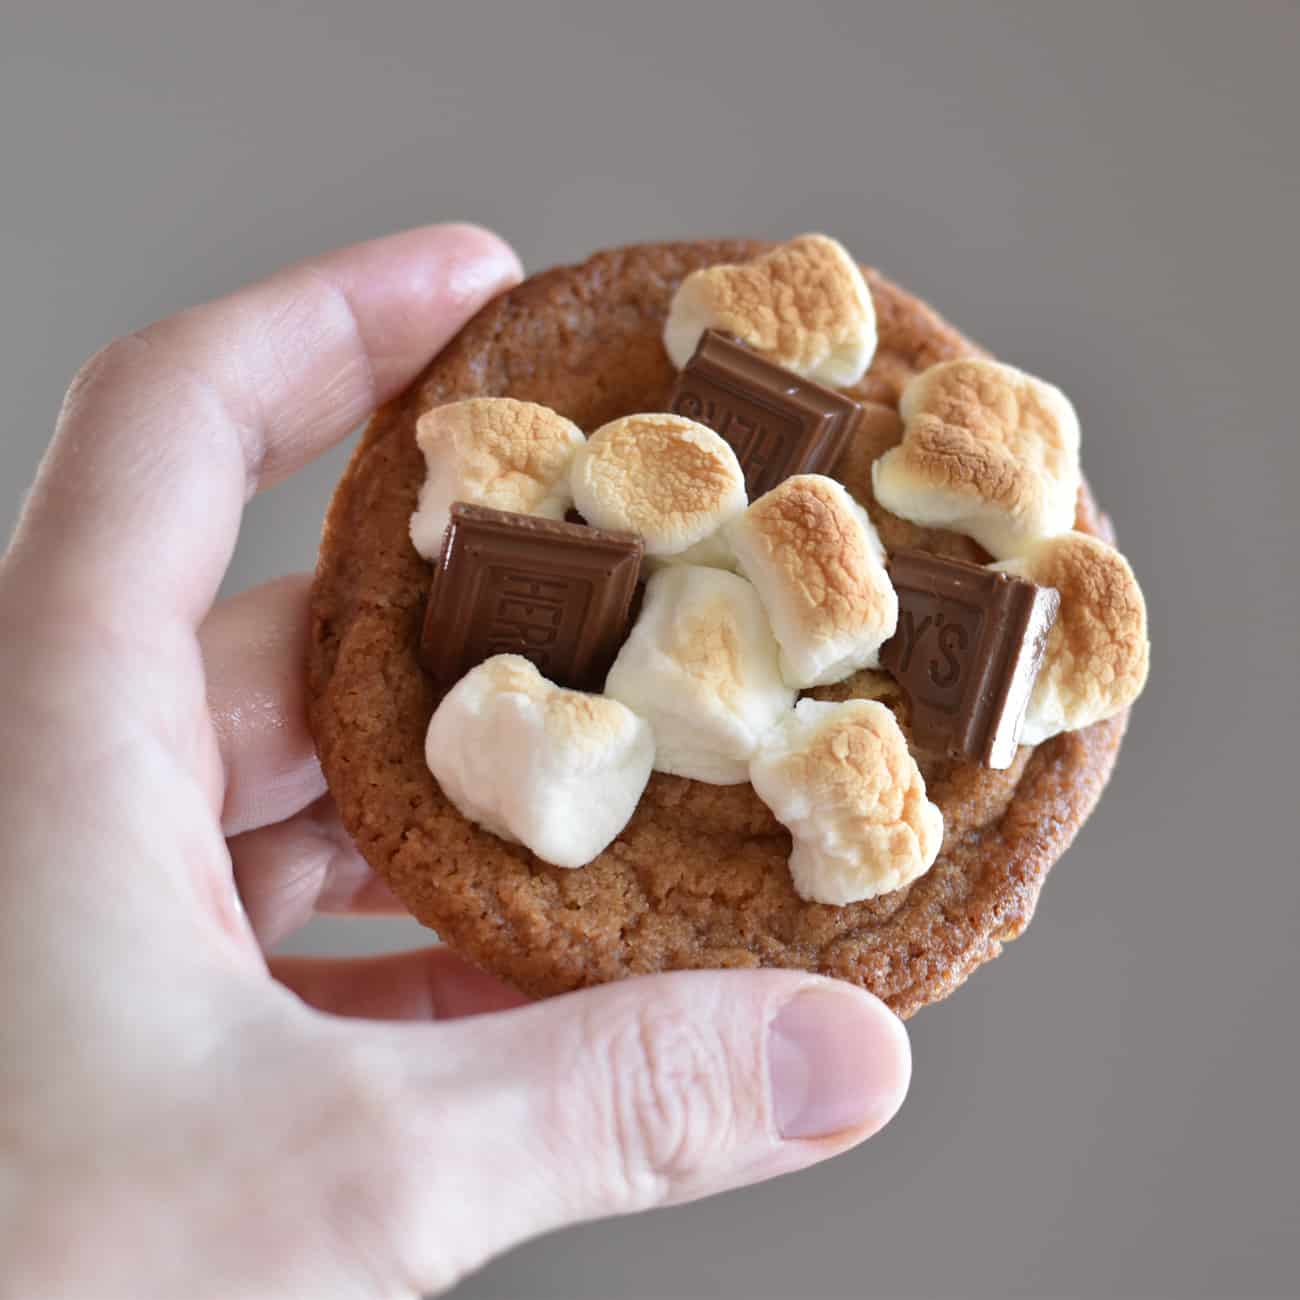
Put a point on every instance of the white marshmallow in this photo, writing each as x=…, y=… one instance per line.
x=711, y=552
x=988, y=451
x=840, y=777
x=701, y=666
x=805, y=306
x=492, y=451
x=1097, y=654
x=556, y=770
x=815, y=558
x=673, y=481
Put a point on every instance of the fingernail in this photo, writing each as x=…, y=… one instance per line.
x=837, y=1059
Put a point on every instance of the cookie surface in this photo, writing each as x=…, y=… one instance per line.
x=698, y=878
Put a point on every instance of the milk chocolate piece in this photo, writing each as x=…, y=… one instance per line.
x=777, y=423
x=967, y=651
x=556, y=593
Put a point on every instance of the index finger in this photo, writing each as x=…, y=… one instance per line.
x=166, y=433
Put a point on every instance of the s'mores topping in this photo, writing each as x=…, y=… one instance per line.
x=841, y=779
x=559, y=771
x=988, y=451
x=714, y=572
x=817, y=563
x=1097, y=654
x=667, y=478
x=491, y=451
x=805, y=305
x=701, y=667
x=968, y=650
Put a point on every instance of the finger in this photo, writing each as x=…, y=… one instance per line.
x=166, y=433
x=254, y=649
x=636, y=1094
x=429, y=984
x=305, y=864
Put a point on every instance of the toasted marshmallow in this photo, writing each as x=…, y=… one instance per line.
x=988, y=451
x=1097, y=652
x=804, y=305
x=840, y=777
x=556, y=770
x=817, y=563
x=665, y=477
x=492, y=451
x=713, y=552
x=701, y=666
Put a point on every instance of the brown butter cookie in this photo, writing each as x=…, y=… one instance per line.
x=698, y=878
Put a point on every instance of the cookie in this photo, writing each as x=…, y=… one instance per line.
x=698, y=877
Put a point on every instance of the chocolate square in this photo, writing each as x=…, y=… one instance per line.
x=969, y=645
x=556, y=593
x=777, y=423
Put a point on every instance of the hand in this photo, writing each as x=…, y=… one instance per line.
x=179, y=1114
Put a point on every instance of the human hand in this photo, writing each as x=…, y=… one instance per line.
x=179, y=1114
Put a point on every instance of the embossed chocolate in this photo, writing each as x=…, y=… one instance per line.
x=969, y=645
x=558, y=594
x=777, y=423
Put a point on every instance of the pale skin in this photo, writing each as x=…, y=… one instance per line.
x=179, y=1113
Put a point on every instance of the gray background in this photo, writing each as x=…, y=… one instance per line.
x=1105, y=194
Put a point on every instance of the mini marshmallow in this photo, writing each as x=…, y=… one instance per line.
x=805, y=306
x=988, y=451
x=673, y=481
x=701, y=666
x=713, y=552
x=818, y=565
x=1097, y=652
x=556, y=770
x=492, y=451
x=840, y=777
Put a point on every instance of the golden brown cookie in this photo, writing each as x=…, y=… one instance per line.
x=699, y=877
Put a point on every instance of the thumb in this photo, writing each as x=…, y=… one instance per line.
x=641, y=1093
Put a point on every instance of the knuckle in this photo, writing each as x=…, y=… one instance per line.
x=667, y=1099
x=177, y=371
x=106, y=365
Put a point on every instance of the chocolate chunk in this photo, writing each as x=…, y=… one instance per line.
x=777, y=423
x=967, y=651
x=556, y=593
